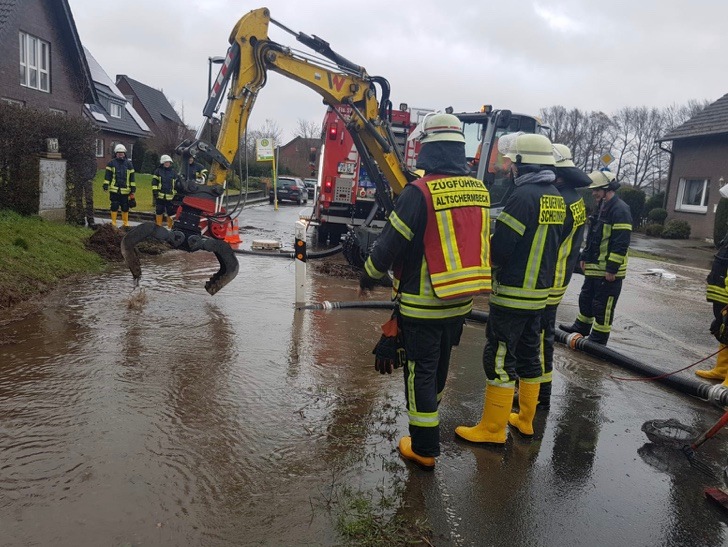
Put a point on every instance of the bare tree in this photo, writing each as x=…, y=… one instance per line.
x=307, y=129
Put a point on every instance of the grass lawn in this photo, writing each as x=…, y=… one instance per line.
x=36, y=254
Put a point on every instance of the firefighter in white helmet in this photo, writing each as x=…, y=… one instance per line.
x=434, y=216
x=163, y=184
x=524, y=249
x=603, y=260
x=119, y=182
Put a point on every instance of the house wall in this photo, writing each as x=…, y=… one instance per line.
x=110, y=140
x=295, y=156
x=701, y=158
x=66, y=83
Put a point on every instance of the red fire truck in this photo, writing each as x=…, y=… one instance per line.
x=346, y=194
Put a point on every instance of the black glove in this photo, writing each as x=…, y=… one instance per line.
x=388, y=354
x=715, y=326
x=366, y=283
x=155, y=194
x=721, y=333
x=132, y=201
x=105, y=186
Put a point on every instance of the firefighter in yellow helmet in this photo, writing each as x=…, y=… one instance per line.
x=119, y=182
x=436, y=241
x=524, y=249
x=603, y=260
x=163, y=184
x=717, y=294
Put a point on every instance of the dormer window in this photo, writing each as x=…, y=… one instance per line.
x=35, y=63
x=115, y=110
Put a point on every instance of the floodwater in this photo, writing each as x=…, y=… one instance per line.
x=236, y=420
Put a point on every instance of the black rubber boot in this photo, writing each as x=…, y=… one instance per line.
x=578, y=326
x=598, y=337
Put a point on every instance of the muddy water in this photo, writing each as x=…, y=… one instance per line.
x=234, y=420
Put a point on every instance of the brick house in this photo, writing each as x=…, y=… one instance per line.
x=42, y=65
x=157, y=112
x=115, y=117
x=296, y=156
x=698, y=167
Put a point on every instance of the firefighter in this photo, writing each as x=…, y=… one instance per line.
x=524, y=249
x=163, y=184
x=717, y=294
x=436, y=240
x=568, y=178
x=119, y=182
x=603, y=260
x=192, y=170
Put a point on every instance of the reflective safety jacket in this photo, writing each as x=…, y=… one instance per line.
x=120, y=176
x=572, y=234
x=525, y=243
x=436, y=239
x=163, y=182
x=607, y=241
x=717, y=280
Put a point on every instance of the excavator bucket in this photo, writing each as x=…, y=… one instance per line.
x=176, y=238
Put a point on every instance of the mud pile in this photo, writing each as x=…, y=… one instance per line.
x=106, y=242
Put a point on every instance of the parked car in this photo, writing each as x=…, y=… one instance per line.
x=311, y=187
x=290, y=189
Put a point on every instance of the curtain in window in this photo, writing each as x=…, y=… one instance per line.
x=693, y=194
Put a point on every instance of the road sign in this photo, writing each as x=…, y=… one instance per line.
x=264, y=149
x=607, y=159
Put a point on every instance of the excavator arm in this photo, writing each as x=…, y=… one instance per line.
x=250, y=56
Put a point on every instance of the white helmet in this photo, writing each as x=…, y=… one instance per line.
x=528, y=148
x=164, y=159
x=119, y=148
x=439, y=127
x=562, y=156
x=603, y=180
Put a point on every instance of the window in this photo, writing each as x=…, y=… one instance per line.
x=115, y=110
x=111, y=148
x=692, y=195
x=34, y=63
x=99, y=148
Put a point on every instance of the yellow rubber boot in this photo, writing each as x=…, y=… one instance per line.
x=720, y=371
x=170, y=222
x=113, y=218
x=405, y=449
x=158, y=220
x=492, y=426
x=125, y=219
x=527, y=403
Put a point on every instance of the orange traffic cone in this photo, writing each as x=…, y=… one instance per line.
x=232, y=236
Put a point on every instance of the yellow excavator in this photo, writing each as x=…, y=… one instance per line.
x=201, y=222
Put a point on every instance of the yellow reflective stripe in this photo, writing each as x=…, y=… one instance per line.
x=439, y=395
x=400, y=226
x=371, y=270
x=450, y=250
x=614, y=257
x=507, y=290
x=717, y=293
x=412, y=406
x=602, y=328
x=516, y=304
x=534, y=257
x=500, y=361
x=622, y=227
x=563, y=257
x=435, y=312
x=424, y=419
x=512, y=223
x=537, y=380
x=485, y=236
x=557, y=291
x=541, y=354
x=584, y=319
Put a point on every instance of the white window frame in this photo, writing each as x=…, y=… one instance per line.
x=35, y=62
x=99, y=148
x=115, y=109
x=690, y=208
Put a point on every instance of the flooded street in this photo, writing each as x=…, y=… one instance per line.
x=235, y=420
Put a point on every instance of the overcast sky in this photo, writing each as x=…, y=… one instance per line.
x=520, y=55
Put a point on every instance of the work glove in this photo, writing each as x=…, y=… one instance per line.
x=721, y=333
x=715, y=325
x=106, y=187
x=366, y=283
x=388, y=354
x=132, y=201
x=155, y=193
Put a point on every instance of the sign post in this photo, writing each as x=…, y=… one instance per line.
x=264, y=152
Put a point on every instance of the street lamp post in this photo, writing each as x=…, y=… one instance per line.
x=210, y=61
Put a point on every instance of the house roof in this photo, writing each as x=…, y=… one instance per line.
x=153, y=100
x=68, y=32
x=712, y=120
x=105, y=87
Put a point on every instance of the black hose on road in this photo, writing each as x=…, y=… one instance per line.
x=291, y=254
x=716, y=394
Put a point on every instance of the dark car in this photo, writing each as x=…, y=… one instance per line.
x=290, y=189
x=311, y=187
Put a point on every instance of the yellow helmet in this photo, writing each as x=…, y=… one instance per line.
x=528, y=148
x=603, y=180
